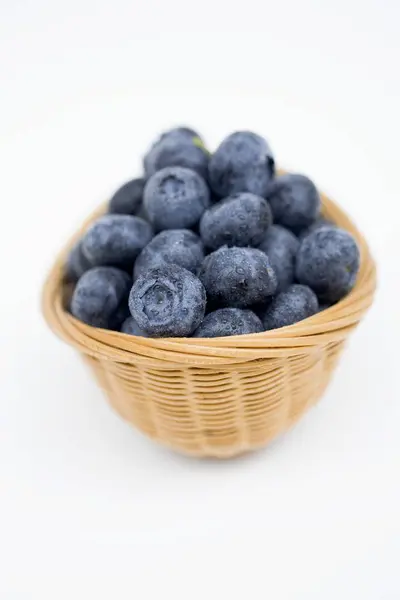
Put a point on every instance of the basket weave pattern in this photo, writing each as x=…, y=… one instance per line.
x=222, y=396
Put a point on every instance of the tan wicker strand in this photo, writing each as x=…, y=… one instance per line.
x=223, y=396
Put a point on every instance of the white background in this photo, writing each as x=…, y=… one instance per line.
x=88, y=507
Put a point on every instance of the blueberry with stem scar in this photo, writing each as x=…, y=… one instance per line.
x=175, y=198
x=168, y=301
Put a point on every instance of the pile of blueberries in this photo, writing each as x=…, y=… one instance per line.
x=210, y=244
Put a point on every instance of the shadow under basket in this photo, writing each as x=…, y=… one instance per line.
x=216, y=397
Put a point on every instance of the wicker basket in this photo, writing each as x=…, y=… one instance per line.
x=216, y=397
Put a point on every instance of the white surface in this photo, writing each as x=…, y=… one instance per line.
x=91, y=509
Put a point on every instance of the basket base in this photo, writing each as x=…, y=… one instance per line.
x=250, y=410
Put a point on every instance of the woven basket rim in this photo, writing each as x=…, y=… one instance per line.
x=330, y=325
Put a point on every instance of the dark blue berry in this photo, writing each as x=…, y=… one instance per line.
x=127, y=200
x=238, y=277
x=239, y=220
x=228, y=321
x=281, y=246
x=77, y=263
x=168, y=301
x=175, y=198
x=324, y=307
x=320, y=222
x=294, y=200
x=295, y=304
x=328, y=261
x=130, y=327
x=242, y=163
x=181, y=147
x=178, y=246
x=116, y=240
x=121, y=314
x=100, y=297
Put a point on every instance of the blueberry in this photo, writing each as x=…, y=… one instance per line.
x=281, y=246
x=320, y=222
x=328, y=261
x=121, y=314
x=242, y=163
x=228, y=321
x=295, y=304
x=178, y=246
x=116, y=240
x=168, y=301
x=100, y=297
x=77, y=263
x=127, y=200
x=324, y=307
x=181, y=147
x=238, y=277
x=294, y=201
x=175, y=198
x=239, y=220
x=130, y=327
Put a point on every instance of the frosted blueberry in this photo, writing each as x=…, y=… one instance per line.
x=239, y=220
x=178, y=246
x=281, y=245
x=294, y=200
x=238, y=277
x=242, y=163
x=328, y=261
x=179, y=147
x=116, y=240
x=127, y=200
x=175, y=198
x=130, y=327
x=228, y=321
x=77, y=263
x=168, y=301
x=100, y=297
x=295, y=304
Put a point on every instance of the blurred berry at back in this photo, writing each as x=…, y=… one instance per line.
x=127, y=200
x=77, y=263
x=294, y=201
x=243, y=162
x=179, y=147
